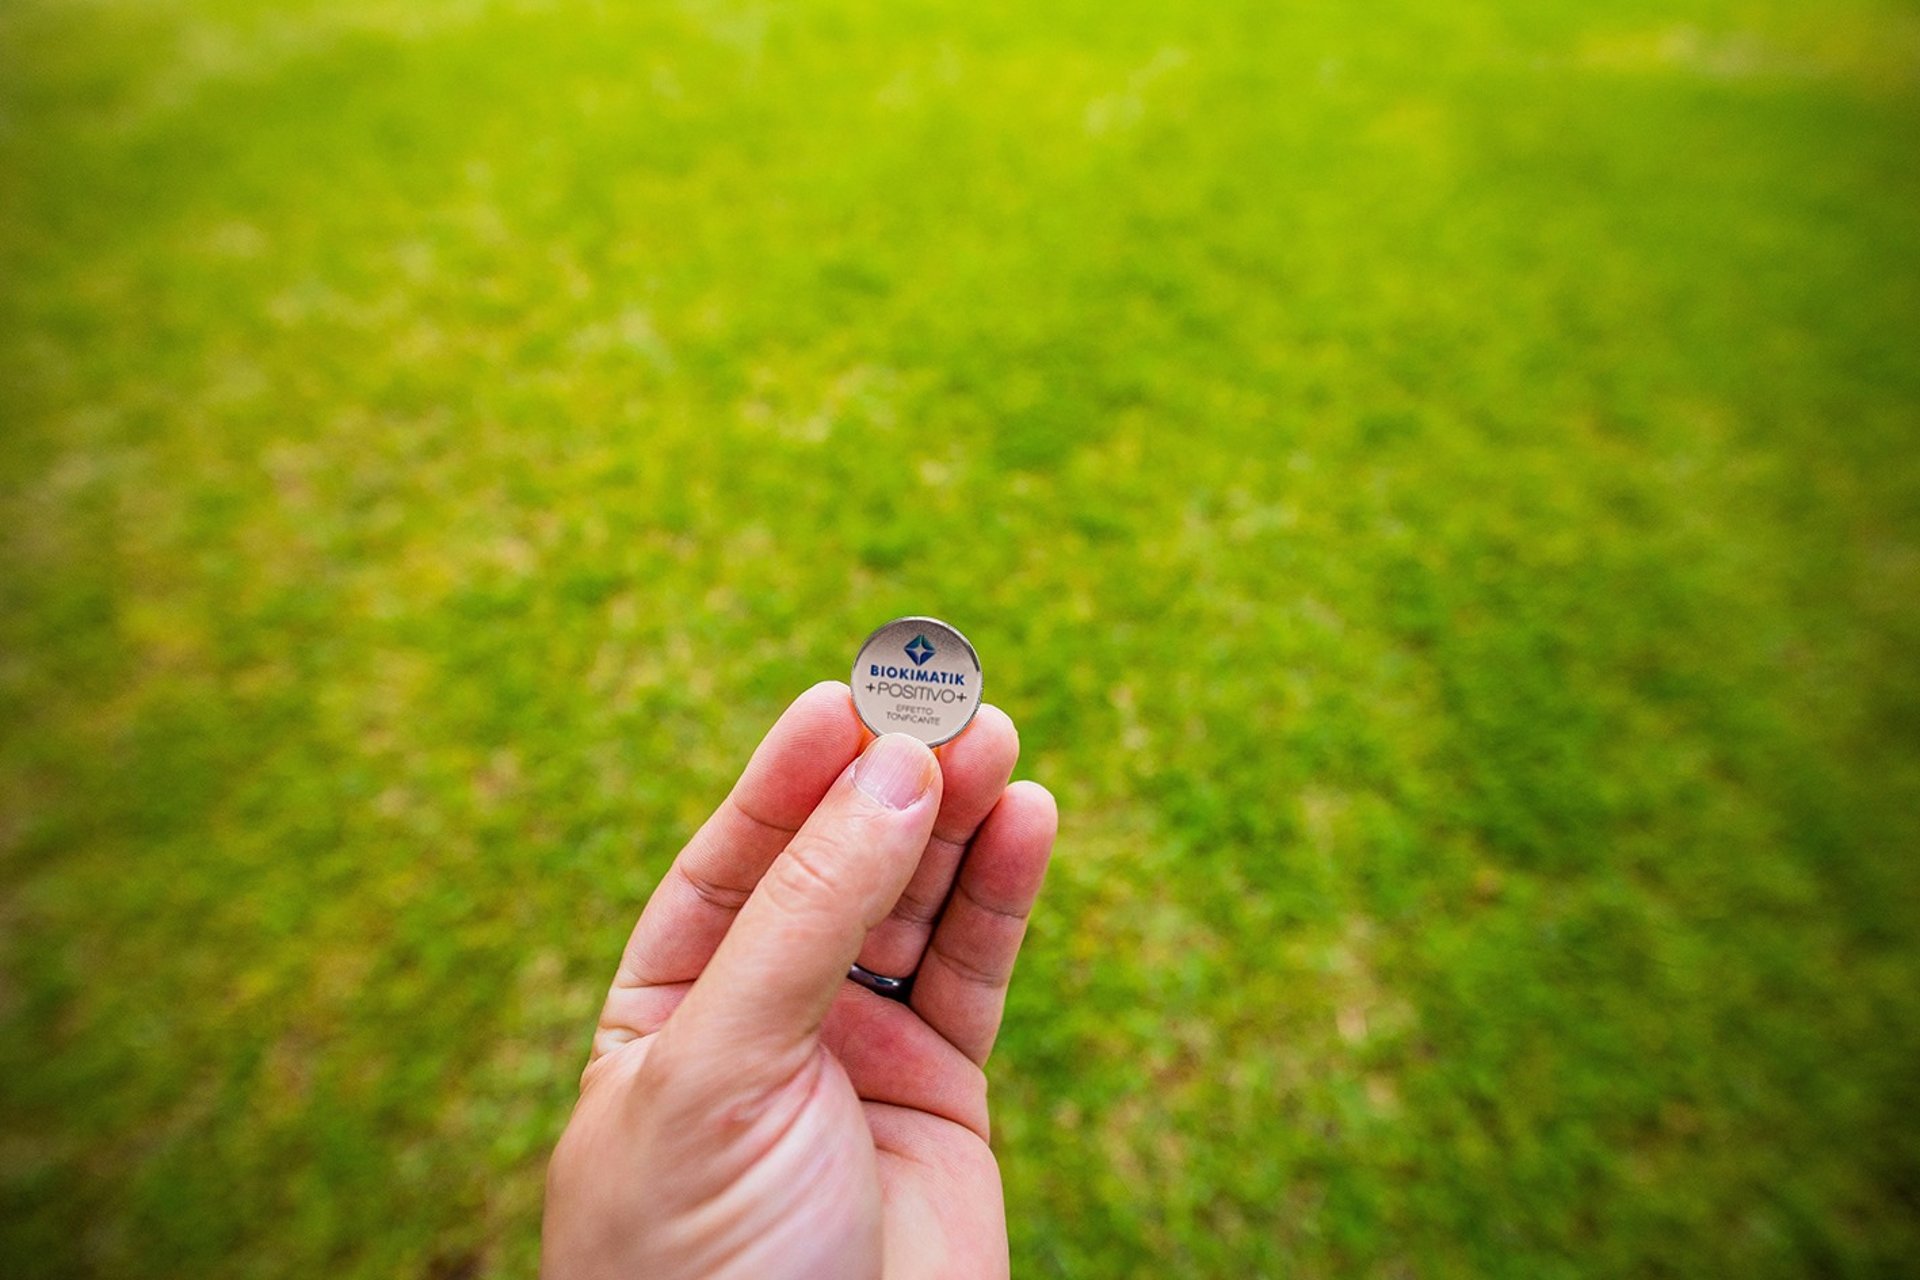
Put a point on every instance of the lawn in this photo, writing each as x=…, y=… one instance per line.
x=1437, y=484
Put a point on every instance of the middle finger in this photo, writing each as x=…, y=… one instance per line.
x=975, y=768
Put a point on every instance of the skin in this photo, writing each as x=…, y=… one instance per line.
x=748, y=1112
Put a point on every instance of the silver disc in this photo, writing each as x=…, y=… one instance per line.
x=917, y=676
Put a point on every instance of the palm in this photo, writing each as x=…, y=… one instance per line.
x=925, y=1108
x=899, y=1117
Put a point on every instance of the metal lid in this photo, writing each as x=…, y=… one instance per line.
x=917, y=676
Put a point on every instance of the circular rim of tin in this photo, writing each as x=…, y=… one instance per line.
x=979, y=673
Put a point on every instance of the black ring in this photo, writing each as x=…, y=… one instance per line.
x=881, y=985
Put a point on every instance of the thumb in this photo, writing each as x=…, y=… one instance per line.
x=759, y=1003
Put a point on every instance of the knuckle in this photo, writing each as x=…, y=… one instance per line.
x=971, y=972
x=917, y=909
x=1012, y=913
x=809, y=873
x=723, y=897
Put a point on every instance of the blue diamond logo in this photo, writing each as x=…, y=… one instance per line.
x=919, y=649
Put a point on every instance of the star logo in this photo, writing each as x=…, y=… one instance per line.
x=919, y=649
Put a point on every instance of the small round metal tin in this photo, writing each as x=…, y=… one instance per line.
x=917, y=676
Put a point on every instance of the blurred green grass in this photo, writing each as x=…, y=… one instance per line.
x=1436, y=484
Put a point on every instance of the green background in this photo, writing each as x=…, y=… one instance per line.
x=1436, y=484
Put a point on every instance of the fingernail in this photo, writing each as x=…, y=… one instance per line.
x=895, y=771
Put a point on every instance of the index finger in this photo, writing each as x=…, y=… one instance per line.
x=812, y=743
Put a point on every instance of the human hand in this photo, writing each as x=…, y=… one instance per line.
x=748, y=1112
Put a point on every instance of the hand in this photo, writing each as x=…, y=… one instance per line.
x=746, y=1110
